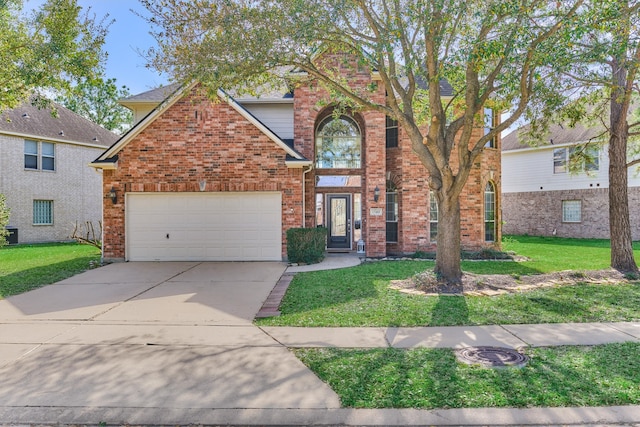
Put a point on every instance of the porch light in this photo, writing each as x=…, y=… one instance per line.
x=113, y=195
x=376, y=194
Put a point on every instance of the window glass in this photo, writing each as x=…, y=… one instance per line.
x=489, y=213
x=560, y=160
x=338, y=181
x=584, y=159
x=43, y=212
x=319, y=210
x=571, y=211
x=338, y=144
x=30, y=155
x=392, y=213
x=433, y=217
x=48, y=157
x=392, y=132
x=357, y=216
x=489, y=124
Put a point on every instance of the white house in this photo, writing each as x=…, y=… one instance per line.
x=542, y=197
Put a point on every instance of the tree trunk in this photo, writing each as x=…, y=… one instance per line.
x=619, y=225
x=447, y=266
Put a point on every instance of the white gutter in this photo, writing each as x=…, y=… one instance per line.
x=304, y=198
x=56, y=140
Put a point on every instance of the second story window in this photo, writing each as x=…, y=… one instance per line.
x=587, y=159
x=338, y=144
x=489, y=124
x=39, y=155
x=392, y=132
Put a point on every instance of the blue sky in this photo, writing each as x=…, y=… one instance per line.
x=128, y=34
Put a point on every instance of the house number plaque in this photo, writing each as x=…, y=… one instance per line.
x=375, y=211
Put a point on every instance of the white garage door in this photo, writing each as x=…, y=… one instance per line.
x=204, y=227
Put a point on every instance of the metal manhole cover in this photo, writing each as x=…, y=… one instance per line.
x=492, y=357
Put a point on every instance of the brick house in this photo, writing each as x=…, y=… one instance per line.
x=44, y=173
x=225, y=180
x=541, y=197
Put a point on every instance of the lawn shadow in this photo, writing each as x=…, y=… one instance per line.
x=37, y=277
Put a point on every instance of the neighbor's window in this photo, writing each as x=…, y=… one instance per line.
x=42, y=212
x=490, y=212
x=392, y=132
x=571, y=211
x=587, y=158
x=39, y=155
x=433, y=217
x=48, y=156
x=489, y=124
x=338, y=144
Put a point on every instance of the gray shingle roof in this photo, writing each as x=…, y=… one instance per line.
x=158, y=94
x=558, y=134
x=67, y=126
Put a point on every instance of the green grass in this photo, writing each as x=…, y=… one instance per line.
x=432, y=378
x=360, y=296
x=26, y=267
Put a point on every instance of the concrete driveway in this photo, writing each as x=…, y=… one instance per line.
x=156, y=336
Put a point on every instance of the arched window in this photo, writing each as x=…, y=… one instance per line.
x=338, y=144
x=490, y=212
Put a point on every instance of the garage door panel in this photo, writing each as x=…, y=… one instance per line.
x=206, y=227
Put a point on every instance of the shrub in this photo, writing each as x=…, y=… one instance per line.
x=306, y=245
x=4, y=220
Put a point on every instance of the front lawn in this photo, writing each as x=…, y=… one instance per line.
x=26, y=267
x=360, y=296
x=606, y=375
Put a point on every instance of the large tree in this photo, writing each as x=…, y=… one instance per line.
x=97, y=100
x=46, y=49
x=494, y=53
x=602, y=80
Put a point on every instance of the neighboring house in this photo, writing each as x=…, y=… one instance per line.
x=202, y=180
x=44, y=172
x=542, y=197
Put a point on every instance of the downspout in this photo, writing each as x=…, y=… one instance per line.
x=304, y=198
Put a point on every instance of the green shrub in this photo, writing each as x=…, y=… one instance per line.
x=306, y=245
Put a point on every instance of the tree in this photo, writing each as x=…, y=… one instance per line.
x=97, y=100
x=602, y=80
x=4, y=220
x=493, y=53
x=46, y=50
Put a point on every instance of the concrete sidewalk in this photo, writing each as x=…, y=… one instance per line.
x=174, y=343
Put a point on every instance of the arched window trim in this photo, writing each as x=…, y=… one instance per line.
x=353, y=163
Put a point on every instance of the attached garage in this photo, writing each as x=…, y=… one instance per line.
x=224, y=226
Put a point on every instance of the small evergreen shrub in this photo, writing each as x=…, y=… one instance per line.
x=306, y=245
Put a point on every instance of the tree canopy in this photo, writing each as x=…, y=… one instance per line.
x=497, y=54
x=97, y=100
x=46, y=49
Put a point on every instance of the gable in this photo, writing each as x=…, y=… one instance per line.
x=191, y=95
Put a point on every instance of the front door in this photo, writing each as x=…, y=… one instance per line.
x=339, y=221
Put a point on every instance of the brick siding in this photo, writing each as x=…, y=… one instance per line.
x=197, y=140
x=539, y=213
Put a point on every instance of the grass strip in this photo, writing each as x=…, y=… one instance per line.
x=602, y=375
x=360, y=296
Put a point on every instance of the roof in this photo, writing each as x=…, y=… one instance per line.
x=108, y=159
x=158, y=94
x=264, y=94
x=558, y=134
x=33, y=122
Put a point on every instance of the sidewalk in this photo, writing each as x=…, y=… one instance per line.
x=174, y=344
